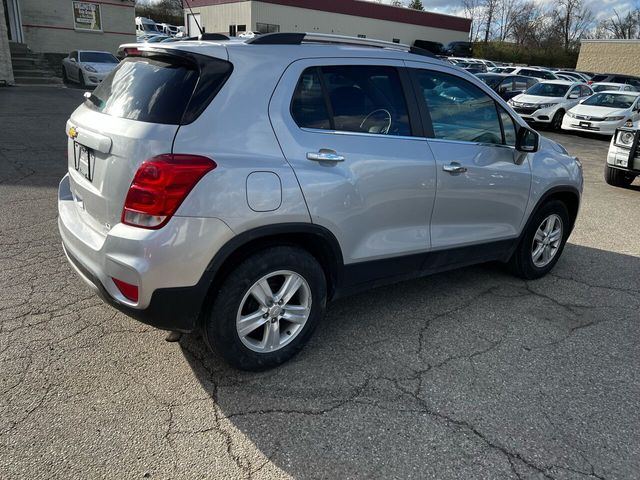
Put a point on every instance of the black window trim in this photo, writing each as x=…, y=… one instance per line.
x=413, y=113
x=426, y=116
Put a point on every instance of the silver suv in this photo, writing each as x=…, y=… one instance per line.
x=237, y=186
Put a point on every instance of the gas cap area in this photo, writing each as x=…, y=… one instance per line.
x=264, y=191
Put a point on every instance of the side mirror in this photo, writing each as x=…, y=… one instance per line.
x=527, y=140
x=573, y=96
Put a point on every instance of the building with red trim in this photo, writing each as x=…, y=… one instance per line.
x=340, y=17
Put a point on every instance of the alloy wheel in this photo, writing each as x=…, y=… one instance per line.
x=273, y=311
x=547, y=240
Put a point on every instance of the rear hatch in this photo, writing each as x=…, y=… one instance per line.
x=131, y=117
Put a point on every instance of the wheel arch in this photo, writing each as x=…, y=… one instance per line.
x=316, y=240
x=568, y=195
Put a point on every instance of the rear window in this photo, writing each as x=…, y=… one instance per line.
x=599, y=78
x=148, y=90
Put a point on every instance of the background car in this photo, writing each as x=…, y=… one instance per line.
x=87, y=67
x=615, y=78
x=612, y=87
x=621, y=169
x=547, y=102
x=534, y=72
x=459, y=49
x=580, y=77
x=603, y=112
x=434, y=47
x=507, y=86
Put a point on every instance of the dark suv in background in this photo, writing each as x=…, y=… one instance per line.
x=615, y=78
x=459, y=49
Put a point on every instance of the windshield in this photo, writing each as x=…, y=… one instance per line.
x=548, y=90
x=602, y=88
x=148, y=27
x=97, y=57
x=490, y=80
x=611, y=100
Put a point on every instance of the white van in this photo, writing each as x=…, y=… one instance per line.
x=145, y=26
x=167, y=29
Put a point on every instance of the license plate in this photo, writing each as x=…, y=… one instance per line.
x=84, y=160
x=585, y=124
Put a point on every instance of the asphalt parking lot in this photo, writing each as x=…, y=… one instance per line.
x=469, y=374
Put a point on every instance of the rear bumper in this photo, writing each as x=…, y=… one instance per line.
x=167, y=265
x=176, y=309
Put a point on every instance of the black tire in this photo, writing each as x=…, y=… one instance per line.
x=617, y=177
x=521, y=262
x=219, y=328
x=65, y=79
x=81, y=81
x=556, y=122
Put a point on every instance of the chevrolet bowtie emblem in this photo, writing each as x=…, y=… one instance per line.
x=73, y=133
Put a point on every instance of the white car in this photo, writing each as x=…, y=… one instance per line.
x=535, y=72
x=603, y=112
x=623, y=165
x=612, y=87
x=546, y=102
x=88, y=67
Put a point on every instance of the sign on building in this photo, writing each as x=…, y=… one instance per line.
x=86, y=16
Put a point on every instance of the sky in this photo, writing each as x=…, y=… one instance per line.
x=601, y=8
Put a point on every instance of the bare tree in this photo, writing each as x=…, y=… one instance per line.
x=572, y=20
x=490, y=8
x=507, y=10
x=474, y=11
x=527, y=24
x=620, y=26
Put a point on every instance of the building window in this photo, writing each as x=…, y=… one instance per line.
x=361, y=36
x=232, y=30
x=396, y=40
x=86, y=16
x=242, y=28
x=267, y=28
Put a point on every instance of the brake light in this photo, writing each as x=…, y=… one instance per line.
x=130, y=51
x=159, y=187
x=590, y=82
x=128, y=290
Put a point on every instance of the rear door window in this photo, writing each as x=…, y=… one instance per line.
x=352, y=98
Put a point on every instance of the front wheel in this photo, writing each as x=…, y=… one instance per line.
x=267, y=308
x=556, y=122
x=81, y=79
x=617, y=177
x=542, y=242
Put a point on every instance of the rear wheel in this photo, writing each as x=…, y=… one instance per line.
x=556, y=122
x=267, y=309
x=617, y=177
x=542, y=242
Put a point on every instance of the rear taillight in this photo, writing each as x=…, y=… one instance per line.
x=590, y=82
x=159, y=187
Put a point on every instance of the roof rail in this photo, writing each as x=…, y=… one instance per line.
x=298, y=38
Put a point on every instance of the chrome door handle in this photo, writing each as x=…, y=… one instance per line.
x=325, y=155
x=454, y=167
